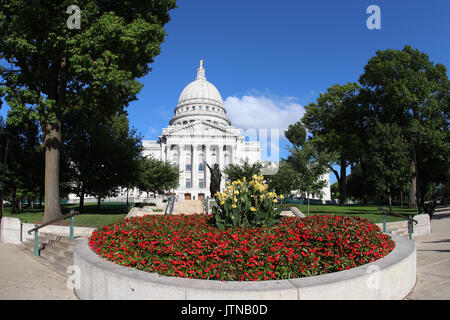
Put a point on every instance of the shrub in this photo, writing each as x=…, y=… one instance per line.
x=246, y=203
x=189, y=246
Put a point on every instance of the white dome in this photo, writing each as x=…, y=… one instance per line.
x=200, y=100
x=200, y=89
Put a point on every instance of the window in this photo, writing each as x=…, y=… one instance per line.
x=201, y=183
x=188, y=162
x=214, y=157
x=226, y=159
x=193, y=108
x=207, y=107
x=201, y=162
x=188, y=183
x=176, y=159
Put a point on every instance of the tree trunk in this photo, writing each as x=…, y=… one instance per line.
x=52, y=142
x=81, y=207
x=401, y=199
x=19, y=205
x=14, y=202
x=342, y=187
x=390, y=203
x=413, y=190
x=30, y=203
x=99, y=201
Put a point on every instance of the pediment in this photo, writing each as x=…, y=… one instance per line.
x=199, y=128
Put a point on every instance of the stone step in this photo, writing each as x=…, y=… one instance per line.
x=49, y=263
x=55, y=250
x=57, y=259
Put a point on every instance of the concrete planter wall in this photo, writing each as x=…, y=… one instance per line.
x=392, y=277
x=13, y=231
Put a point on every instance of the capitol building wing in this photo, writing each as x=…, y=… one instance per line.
x=200, y=133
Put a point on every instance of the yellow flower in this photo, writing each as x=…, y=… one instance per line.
x=222, y=202
x=281, y=197
x=252, y=209
x=275, y=200
x=233, y=205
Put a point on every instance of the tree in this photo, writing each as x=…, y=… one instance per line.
x=309, y=163
x=334, y=122
x=285, y=180
x=23, y=171
x=236, y=171
x=405, y=88
x=389, y=171
x=157, y=176
x=93, y=68
x=100, y=157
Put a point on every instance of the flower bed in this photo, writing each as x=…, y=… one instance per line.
x=189, y=246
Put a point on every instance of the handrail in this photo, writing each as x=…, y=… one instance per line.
x=36, y=228
x=396, y=214
x=53, y=221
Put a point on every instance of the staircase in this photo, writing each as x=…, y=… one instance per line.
x=400, y=232
x=55, y=251
x=188, y=207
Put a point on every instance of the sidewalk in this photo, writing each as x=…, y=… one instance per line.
x=24, y=278
x=433, y=260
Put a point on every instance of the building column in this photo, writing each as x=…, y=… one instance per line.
x=207, y=173
x=182, y=167
x=194, y=170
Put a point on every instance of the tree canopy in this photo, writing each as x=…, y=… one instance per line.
x=94, y=68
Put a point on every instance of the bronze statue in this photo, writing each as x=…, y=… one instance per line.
x=216, y=177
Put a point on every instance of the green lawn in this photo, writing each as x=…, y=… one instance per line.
x=370, y=212
x=110, y=212
x=91, y=216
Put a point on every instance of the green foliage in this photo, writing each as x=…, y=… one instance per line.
x=334, y=122
x=157, y=176
x=53, y=69
x=296, y=134
x=309, y=164
x=285, y=180
x=388, y=160
x=98, y=156
x=246, y=204
x=21, y=144
x=403, y=87
x=235, y=171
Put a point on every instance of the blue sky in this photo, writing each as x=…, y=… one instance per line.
x=268, y=59
x=277, y=56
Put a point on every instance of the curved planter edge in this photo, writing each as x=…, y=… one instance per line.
x=391, y=277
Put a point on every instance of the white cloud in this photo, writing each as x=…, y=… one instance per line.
x=262, y=112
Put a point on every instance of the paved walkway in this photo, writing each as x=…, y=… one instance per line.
x=433, y=260
x=24, y=278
